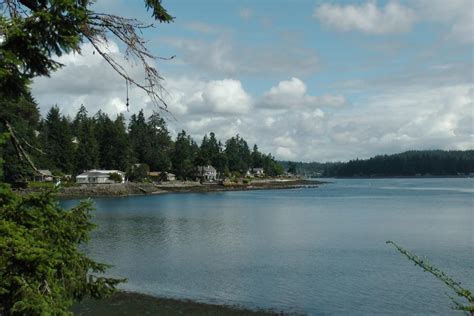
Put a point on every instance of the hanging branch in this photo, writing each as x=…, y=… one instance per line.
x=50, y=29
x=127, y=104
x=22, y=154
x=126, y=30
x=31, y=146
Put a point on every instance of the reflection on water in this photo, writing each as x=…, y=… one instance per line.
x=317, y=251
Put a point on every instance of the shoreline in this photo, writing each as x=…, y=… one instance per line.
x=133, y=303
x=403, y=177
x=138, y=189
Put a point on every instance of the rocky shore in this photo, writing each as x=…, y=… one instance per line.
x=126, y=303
x=130, y=189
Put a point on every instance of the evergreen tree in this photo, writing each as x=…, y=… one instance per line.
x=160, y=144
x=203, y=158
x=257, y=158
x=23, y=116
x=211, y=153
x=238, y=154
x=271, y=167
x=58, y=141
x=184, y=154
x=87, y=153
x=122, y=150
x=219, y=161
x=138, y=133
x=112, y=140
x=42, y=271
x=104, y=132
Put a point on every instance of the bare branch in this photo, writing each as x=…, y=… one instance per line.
x=31, y=146
x=22, y=154
x=126, y=31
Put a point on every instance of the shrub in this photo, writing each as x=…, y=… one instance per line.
x=462, y=293
x=42, y=271
x=116, y=177
x=138, y=172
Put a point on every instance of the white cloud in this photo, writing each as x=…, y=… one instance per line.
x=285, y=153
x=368, y=17
x=285, y=141
x=195, y=96
x=457, y=15
x=292, y=94
x=226, y=96
x=87, y=79
x=223, y=56
x=285, y=120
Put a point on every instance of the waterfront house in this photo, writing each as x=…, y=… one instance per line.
x=258, y=172
x=44, y=176
x=255, y=172
x=96, y=176
x=207, y=173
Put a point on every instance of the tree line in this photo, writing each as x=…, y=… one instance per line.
x=409, y=163
x=72, y=145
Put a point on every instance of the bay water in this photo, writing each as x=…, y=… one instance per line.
x=317, y=251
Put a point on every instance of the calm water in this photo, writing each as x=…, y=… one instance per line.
x=315, y=251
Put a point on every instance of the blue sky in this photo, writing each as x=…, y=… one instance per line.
x=306, y=80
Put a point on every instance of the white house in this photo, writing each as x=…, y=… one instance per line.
x=95, y=176
x=207, y=173
x=256, y=172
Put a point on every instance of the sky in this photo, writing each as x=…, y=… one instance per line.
x=305, y=80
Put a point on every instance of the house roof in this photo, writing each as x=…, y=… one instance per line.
x=207, y=168
x=98, y=173
x=45, y=172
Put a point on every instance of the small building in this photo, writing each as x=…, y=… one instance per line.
x=96, y=176
x=44, y=176
x=161, y=176
x=155, y=175
x=207, y=173
x=258, y=172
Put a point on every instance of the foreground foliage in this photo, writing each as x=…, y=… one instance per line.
x=42, y=270
x=462, y=293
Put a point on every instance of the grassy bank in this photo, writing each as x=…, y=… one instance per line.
x=125, y=303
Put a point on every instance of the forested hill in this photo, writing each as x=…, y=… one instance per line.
x=70, y=146
x=410, y=163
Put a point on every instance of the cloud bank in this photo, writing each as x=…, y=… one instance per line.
x=285, y=119
x=367, y=17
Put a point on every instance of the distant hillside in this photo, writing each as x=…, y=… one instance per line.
x=308, y=169
x=410, y=163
